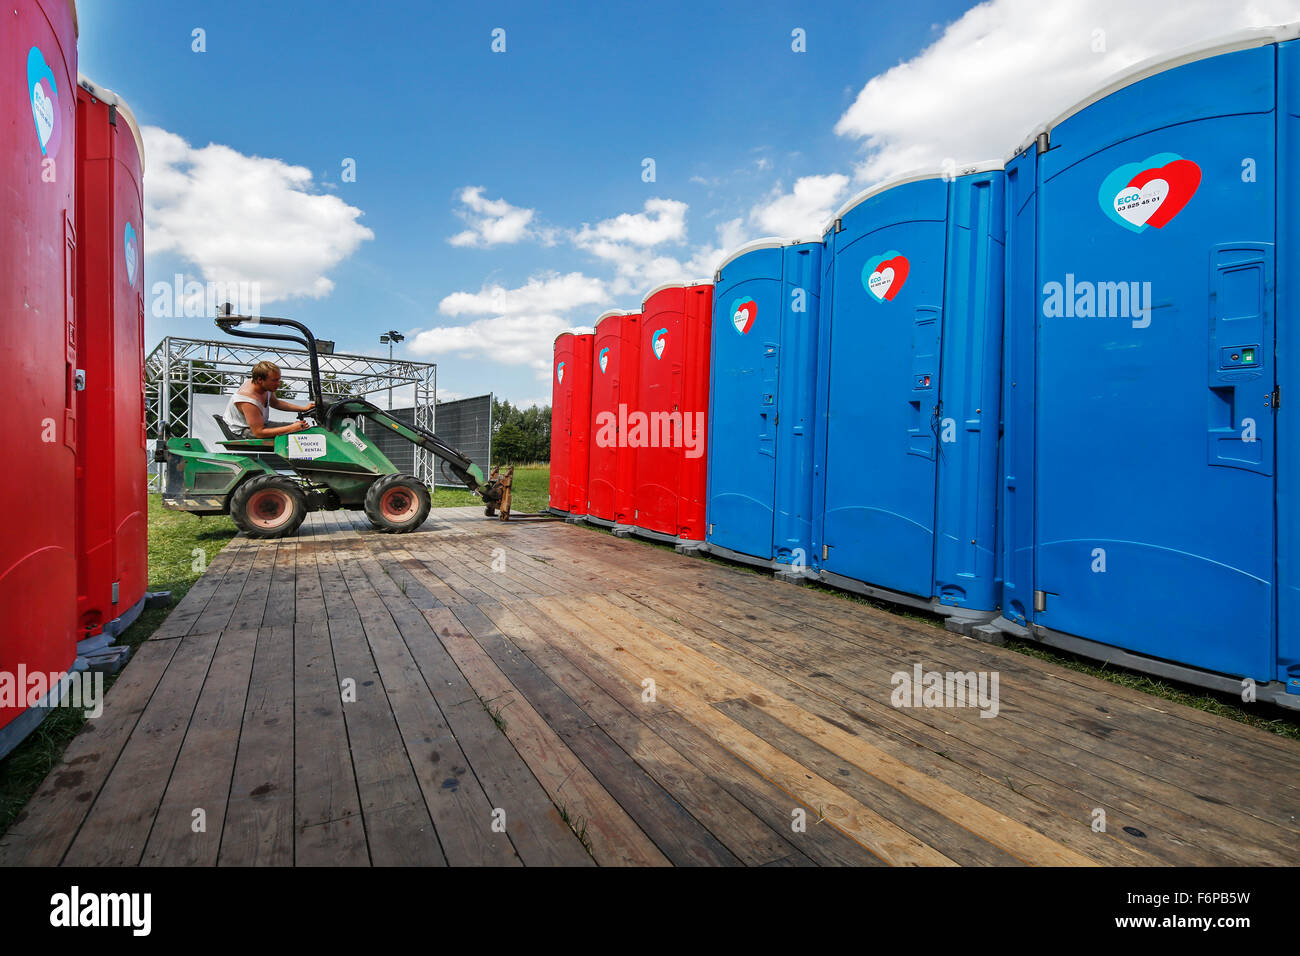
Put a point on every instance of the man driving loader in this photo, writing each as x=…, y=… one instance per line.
x=268, y=491
x=248, y=412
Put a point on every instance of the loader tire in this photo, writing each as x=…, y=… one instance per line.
x=269, y=506
x=396, y=504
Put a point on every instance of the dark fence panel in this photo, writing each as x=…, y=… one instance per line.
x=466, y=425
x=399, y=451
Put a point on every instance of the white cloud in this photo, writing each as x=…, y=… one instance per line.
x=664, y=220
x=638, y=270
x=526, y=403
x=802, y=211
x=704, y=261
x=520, y=325
x=790, y=215
x=517, y=326
x=627, y=242
x=1007, y=65
x=549, y=293
x=241, y=218
x=731, y=234
x=494, y=221
x=519, y=339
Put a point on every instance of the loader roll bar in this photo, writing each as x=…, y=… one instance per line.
x=329, y=414
x=229, y=322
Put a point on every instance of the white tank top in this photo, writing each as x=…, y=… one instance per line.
x=235, y=418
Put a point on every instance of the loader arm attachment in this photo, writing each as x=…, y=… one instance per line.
x=461, y=466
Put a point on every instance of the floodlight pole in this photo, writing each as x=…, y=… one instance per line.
x=389, y=337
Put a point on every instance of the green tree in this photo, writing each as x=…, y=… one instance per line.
x=520, y=435
x=509, y=445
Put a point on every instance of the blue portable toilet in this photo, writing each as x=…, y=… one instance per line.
x=1146, y=516
x=905, y=485
x=762, y=398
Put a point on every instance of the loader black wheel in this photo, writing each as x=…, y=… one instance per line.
x=269, y=506
x=396, y=504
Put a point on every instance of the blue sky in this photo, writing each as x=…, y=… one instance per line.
x=499, y=196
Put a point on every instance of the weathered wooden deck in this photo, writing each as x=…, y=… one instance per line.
x=502, y=668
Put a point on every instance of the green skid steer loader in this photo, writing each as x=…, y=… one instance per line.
x=267, y=485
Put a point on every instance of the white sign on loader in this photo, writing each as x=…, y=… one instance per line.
x=306, y=446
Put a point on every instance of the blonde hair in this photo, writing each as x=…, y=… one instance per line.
x=264, y=370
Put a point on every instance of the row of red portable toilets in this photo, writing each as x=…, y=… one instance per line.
x=628, y=417
x=1039, y=397
x=73, y=564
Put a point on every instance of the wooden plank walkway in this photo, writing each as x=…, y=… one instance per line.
x=480, y=693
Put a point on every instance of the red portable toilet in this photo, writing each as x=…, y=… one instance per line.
x=613, y=395
x=668, y=428
x=570, y=421
x=38, y=348
x=625, y=492
x=112, y=561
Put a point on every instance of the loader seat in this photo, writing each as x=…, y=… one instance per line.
x=225, y=429
x=248, y=444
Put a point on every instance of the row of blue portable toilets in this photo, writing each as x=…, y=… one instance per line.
x=1041, y=397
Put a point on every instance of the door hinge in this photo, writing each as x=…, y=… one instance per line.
x=1276, y=397
x=1044, y=142
x=710, y=529
x=1040, y=600
x=826, y=551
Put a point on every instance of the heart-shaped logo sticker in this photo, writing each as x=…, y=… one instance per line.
x=743, y=313
x=559, y=373
x=883, y=275
x=1149, y=193
x=43, y=93
x=604, y=359
x=131, y=249
x=658, y=342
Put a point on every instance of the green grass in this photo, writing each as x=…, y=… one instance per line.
x=496, y=713
x=578, y=826
x=530, y=492
x=173, y=538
